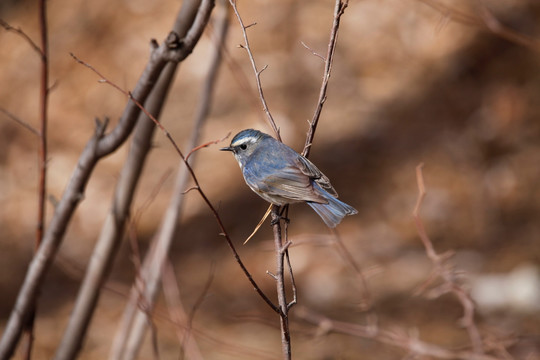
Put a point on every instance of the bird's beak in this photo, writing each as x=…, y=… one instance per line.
x=226, y=149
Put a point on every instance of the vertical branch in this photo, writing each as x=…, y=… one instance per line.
x=339, y=9
x=129, y=338
x=280, y=250
x=113, y=229
x=255, y=70
x=98, y=146
x=42, y=161
x=44, y=97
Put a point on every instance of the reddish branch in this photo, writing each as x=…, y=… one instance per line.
x=400, y=339
x=196, y=187
x=445, y=271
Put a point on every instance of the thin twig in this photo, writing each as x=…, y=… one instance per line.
x=177, y=313
x=43, y=106
x=75, y=272
x=24, y=124
x=255, y=70
x=396, y=338
x=198, y=304
x=206, y=144
x=154, y=264
x=288, y=243
x=21, y=33
x=339, y=9
x=42, y=178
x=446, y=271
x=276, y=218
x=100, y=145
x=185, y=23
x=313, y=51
x=485, y=21
x=164, y=58
x=367, y=301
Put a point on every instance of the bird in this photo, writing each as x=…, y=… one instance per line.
x=281, y=176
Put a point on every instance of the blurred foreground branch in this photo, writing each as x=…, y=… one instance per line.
x=100, y=145
x=113, y=229
x=135, y=321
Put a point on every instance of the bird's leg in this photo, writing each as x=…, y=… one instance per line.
x=281, y=217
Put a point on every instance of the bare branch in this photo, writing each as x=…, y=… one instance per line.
x=486, y=21
x=21, y=33
x=99, y=146
x=177, y=313
x=339, y=9
x=446, y=271
x=24, y=124
x=207, y=144
x=394, y=338
x=313, y=51
x=42, y=178
x=367, y=300
x=257, y=72
x=280, y=284
x=131, y=337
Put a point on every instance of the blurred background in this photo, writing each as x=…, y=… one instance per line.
x=410, y=84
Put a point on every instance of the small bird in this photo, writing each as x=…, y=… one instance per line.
x=281, y=176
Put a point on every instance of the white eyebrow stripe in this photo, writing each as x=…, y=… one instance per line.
x=244, y=140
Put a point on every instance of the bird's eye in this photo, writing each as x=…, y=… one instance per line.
x=243, y=146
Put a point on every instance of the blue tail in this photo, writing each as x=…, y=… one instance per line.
x=333, y=212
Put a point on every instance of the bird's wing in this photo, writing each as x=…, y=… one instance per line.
x=309, y=169
x=288, y=183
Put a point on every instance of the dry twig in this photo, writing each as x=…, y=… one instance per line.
x=257, y=72
x=339, y=9
x=485, y=21
x=446, y=271
x=396, y=338
x=23, y=123
x=99, y=146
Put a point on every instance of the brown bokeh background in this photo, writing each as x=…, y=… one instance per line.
x=409, y=85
